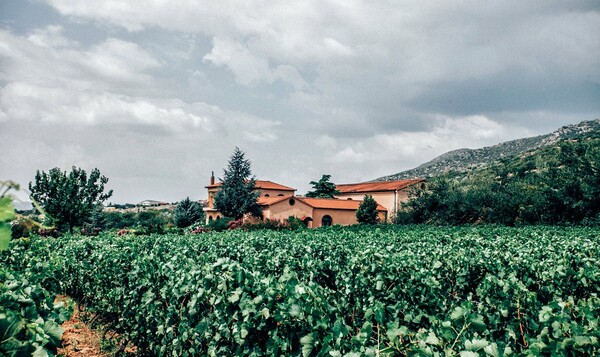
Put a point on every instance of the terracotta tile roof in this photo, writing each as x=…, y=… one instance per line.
x=262, y=184
x=267, y=201
x=376, y=186
x=333, y=203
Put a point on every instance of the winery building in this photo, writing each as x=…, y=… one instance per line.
x=280, y=202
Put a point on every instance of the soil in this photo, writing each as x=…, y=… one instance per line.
x=79, y=339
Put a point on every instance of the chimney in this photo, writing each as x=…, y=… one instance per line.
x=212, y=177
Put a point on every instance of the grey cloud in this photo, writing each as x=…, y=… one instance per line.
x=159, y=96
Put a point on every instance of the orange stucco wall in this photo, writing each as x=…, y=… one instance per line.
x=212, y=214
x=338, y=216
x=282, y=210
x=385, y=198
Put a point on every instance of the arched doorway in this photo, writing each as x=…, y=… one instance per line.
x=307, y=222
x=326, y=221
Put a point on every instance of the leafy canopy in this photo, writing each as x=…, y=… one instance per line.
x=187, y=212
x=367, y=211
x=69, y=199
x=323, y=188
x=7, y=212
x=237, y=196
x=558, y=184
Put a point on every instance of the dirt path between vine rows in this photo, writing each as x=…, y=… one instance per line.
x=79, y=340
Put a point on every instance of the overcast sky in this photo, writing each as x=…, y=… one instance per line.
x=157, y=94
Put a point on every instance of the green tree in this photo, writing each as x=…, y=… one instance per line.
x=237, y=196
x=367, y=211
x=7, y=212
x=323, y=188
x=152, y=221
x=69, y=199
x=187, y=212
x=119, y=220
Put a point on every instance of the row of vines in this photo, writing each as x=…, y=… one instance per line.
x=350, y=291
x=30, y=315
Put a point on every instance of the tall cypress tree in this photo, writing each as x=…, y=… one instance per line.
x=236, y=196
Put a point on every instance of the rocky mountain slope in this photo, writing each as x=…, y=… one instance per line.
x=467, y=159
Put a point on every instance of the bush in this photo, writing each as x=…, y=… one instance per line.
x=187, y=213
x=198, y=227
x=219, y=225
x=119, y=220
x=367, y=211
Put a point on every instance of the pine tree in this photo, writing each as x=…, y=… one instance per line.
x=187, y=212
x=323, y=188
x=367, y=211
x=237, y=196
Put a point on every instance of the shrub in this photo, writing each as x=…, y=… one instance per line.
x=367, y=211
x=187, y=212
x=219, y=225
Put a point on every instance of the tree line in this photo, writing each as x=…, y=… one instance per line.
x=558, y=184
x=75, y=200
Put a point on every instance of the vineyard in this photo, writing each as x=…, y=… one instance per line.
x=352, y=291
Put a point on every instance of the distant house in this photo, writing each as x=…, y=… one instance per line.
x=389, y=194
x=279, y=202
x=152, y=203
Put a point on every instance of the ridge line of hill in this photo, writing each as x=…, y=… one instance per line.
x=469, y=159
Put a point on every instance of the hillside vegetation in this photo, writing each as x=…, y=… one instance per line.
x=464, y=160
x=341, y=291
x=555, y=184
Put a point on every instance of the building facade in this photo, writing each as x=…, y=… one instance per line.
x=279, y=202
x=389, y=194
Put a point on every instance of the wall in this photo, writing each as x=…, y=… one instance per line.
x=384, y=198
x=341, y=217
x=282, y=210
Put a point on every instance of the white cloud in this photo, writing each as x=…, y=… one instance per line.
x=387, y=153
x=338, y=50
x=247, y=68
x=119, y=60
x=51, y=36
x=48, y=82
x=350, y=155
x=111, y=64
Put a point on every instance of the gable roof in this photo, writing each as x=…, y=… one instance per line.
x=333, y=203
x=267, y=201
x=262, y=185
x=377, y=186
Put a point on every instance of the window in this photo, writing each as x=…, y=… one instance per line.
x=326, y=221
x=267, y=195
x=280, y=195
x=292, y=201
x=349, y=199
x=218, y=218
x=210, y=218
